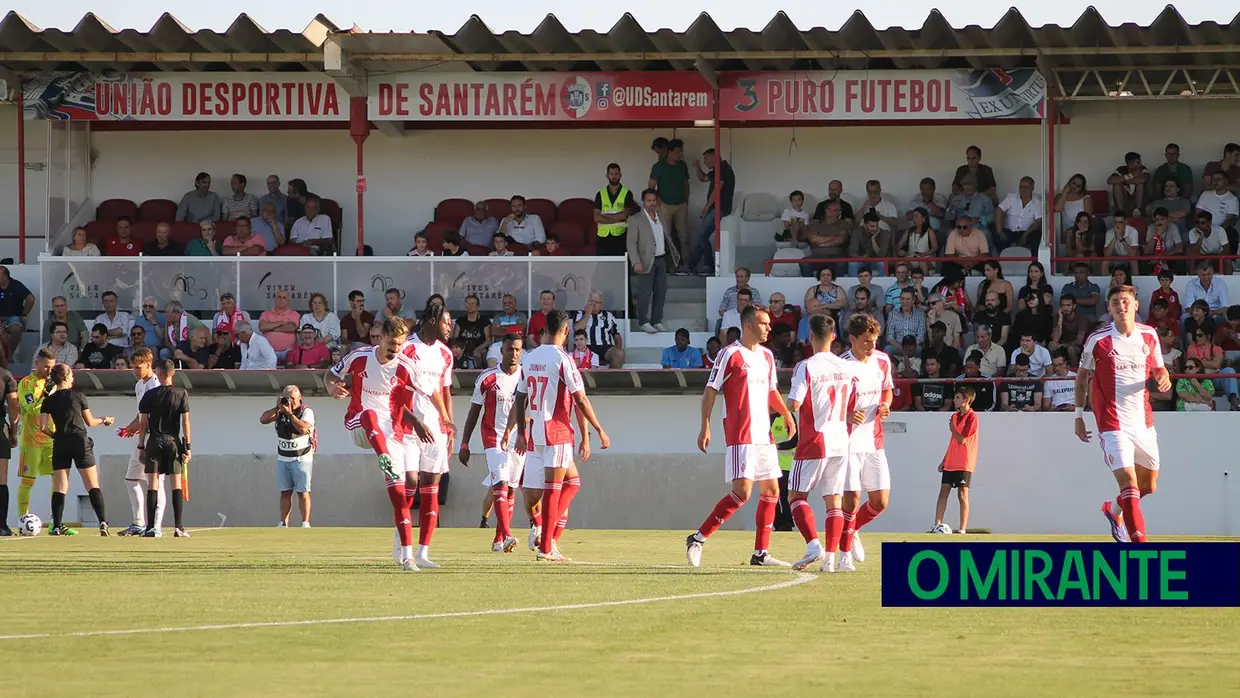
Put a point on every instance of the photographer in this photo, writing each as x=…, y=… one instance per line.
x=295, y=443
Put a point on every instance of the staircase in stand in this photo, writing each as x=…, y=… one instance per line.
x=685, y=307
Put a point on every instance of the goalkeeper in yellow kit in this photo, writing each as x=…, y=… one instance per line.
x=36, y=447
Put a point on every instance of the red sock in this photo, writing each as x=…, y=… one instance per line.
x=400, y=513
x=724, y=509
x=803, y=516
x=550, y=514
x=835, y=526
x=865, y=515
x=764, y=521
x=374, y=434
x=503, y=514
x=428, y=514
x=1134, y=520
x=411, y=495
x=571, y=486
x=846, y=533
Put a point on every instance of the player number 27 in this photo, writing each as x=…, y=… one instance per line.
x=537, y=390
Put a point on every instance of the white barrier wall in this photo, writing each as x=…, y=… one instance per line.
x=1033, y=475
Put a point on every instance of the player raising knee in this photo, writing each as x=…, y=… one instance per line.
x=745, y=373
x=1116, y=365
x=821, y=397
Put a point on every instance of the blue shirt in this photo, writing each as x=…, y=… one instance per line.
x=691, y=357
x=263, y=229
x=154, y=338
x=280, y=201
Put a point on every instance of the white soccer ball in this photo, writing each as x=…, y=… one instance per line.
x=29, y=525
x=942, y=528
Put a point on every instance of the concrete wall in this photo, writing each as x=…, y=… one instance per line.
x=1033, y=476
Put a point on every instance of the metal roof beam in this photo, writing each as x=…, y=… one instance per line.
x=355, y=83
x=155, y=57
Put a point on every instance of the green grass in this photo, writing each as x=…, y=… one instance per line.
x=827, y=635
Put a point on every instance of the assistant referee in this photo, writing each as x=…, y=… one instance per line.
x=163, y=415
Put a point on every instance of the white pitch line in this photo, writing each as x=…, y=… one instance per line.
x=800, y=578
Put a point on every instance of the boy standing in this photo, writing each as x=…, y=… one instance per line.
x=961, y=457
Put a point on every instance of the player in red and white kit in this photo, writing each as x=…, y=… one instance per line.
x=822, y=398
x=745, y=373
x=1116, y=364
x=494, y=393
x=377, y=381
x=426, y=462
x=551, y=387
x=867, y=459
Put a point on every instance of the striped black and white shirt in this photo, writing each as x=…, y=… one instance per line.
x=601, y=329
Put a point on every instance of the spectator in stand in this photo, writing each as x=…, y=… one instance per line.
x=1070, y=330
x=782, y=343
x=983, y=176
x=538, y=318
x=863, y=302
x=137, y=342
x=985, y=400
x=874, y=202
x=602, y=331
x=701, y=258
x=1205, y=288
x=522, y=228
x=162, y=246
x=782, y=314
x=1198, y=318
x=1036, y=319
x=240, y=203
x=1203, y=349
x=228, y=316
x=1194, y=394
x=1035, y=281
x=1174, y=171
x=480, y=228
x=869, y=240
x=1018, y=219
x=452, y=246
x=732, y=318
x=1039, y=357
x=314, y=229
x=670, y=178
x=295, y=204
x=908, y=364
x=951, y=286
x=473, y=330
x=730, y=301
x=659, y=147
x=78, y=335
x=994, y=281
x=931, y=395
x=1163, y=240
x=1020, y=394
x=462, y=360
x=323, y=320
x=891, y=297
x=1121, y=241
x=1130, y=190
x=1082, y=238
x=976, y=205
x=994, y=318
x=825, y=295
x=1167, y=292
x=206, y=244
x=681, y=355
x=968, y=242
x=355, y=324
x=794, y=218
x=1074, y=199
x=1161, y=317
x=946, y=356
x=651, y=255
x=309, y=352
x=257, y=353
x=991, y=358
x=713, y=346
x=1221, y=202
x=904, y=322
x=421, y=245
x=122, y=244
x=1172, y=357
x=953, y=332
x=827, y=238
x=225, y=353
x=276, y=198
x=919, y=240
x=613, y=204
x=835, y=190
x=99, y=353
x=499, y=246
x=1208, y=239
x=1085, y=292
x=393, y=306
x=120, y=363
x=116, y=322
x=78, y=246
x=194, y=352
x=583, y=357
x=278, y=325
x=66, y=353
x=1179, y=208
x=932, y=204
x=509, y=320
x=200, y=204
x=865, y=278
x=553, y=248
x=1227, y=336
x=1059, y=390
x=177, y=329
x=268, y=227
x=1229, y=165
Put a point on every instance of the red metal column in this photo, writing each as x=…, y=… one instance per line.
x=1050, y=232
x=21, y=175
x=359, y=129
x=718, y=159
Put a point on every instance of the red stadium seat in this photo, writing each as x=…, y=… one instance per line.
x=156, y=210
x=571, y=234
x=453, y=211
x=544, y=209
x=498, y=208
x=518, y=250
x=143, y=231
x=578, y=210
x=96, y=231
x=116, y=209
x=1101, y=199
x=223, y=229
x=435, y=232
x=477, y=250
x=183, y=232
x=333, y=211
x=291, y=250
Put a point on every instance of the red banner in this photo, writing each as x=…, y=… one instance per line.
x=541, y=97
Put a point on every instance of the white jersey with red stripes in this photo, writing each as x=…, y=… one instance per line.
x=746, y=378
x=384, y=388
x=495, y=391
x=549, y=380
x=432, y=372
x=825, y=385
x=1120, y=367
x=873, y=378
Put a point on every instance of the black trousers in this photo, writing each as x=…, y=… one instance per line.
x=783, y=513
x=612, y=245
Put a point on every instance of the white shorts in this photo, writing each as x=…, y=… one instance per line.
x=828, y=474
x=136, y=469
x=503, y=466
x=751, y=462
x=426, y=458
x=1127, y=449
x=868, y=472
x=396, y=451
x=534, y=476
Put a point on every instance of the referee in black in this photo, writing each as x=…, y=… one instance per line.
x=163, y=415
x=68, y=411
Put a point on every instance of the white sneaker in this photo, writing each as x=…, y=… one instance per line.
x=553, y=556
x=660, y=327
x=813, y=553
x=846, y=562
x=535, y=537
x=281, y=525
x=510, y=544
x=497, y=546
x=648, y=328
x=828, y=565
x=858, y=550
x=764, y=559
x=693, y=550
x=305, y=524
x=408, y=566
x=424, y=563
x=555, y=549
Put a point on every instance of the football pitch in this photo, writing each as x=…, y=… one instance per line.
x=326, y=612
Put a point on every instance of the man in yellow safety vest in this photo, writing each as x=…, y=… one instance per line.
x=612, y=206
x=786, y=446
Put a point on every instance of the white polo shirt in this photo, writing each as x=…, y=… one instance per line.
x=526, y=232
x=1219, y=205
x=122, y=321
x=1215, y=243
x=1038, y=360
x=1021, y=216
x=305, y=229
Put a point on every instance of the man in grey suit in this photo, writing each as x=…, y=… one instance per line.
x=650, y=251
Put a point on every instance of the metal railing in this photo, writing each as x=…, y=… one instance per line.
x=882, y=263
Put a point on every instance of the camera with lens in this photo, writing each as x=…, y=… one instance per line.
x=286, y=401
